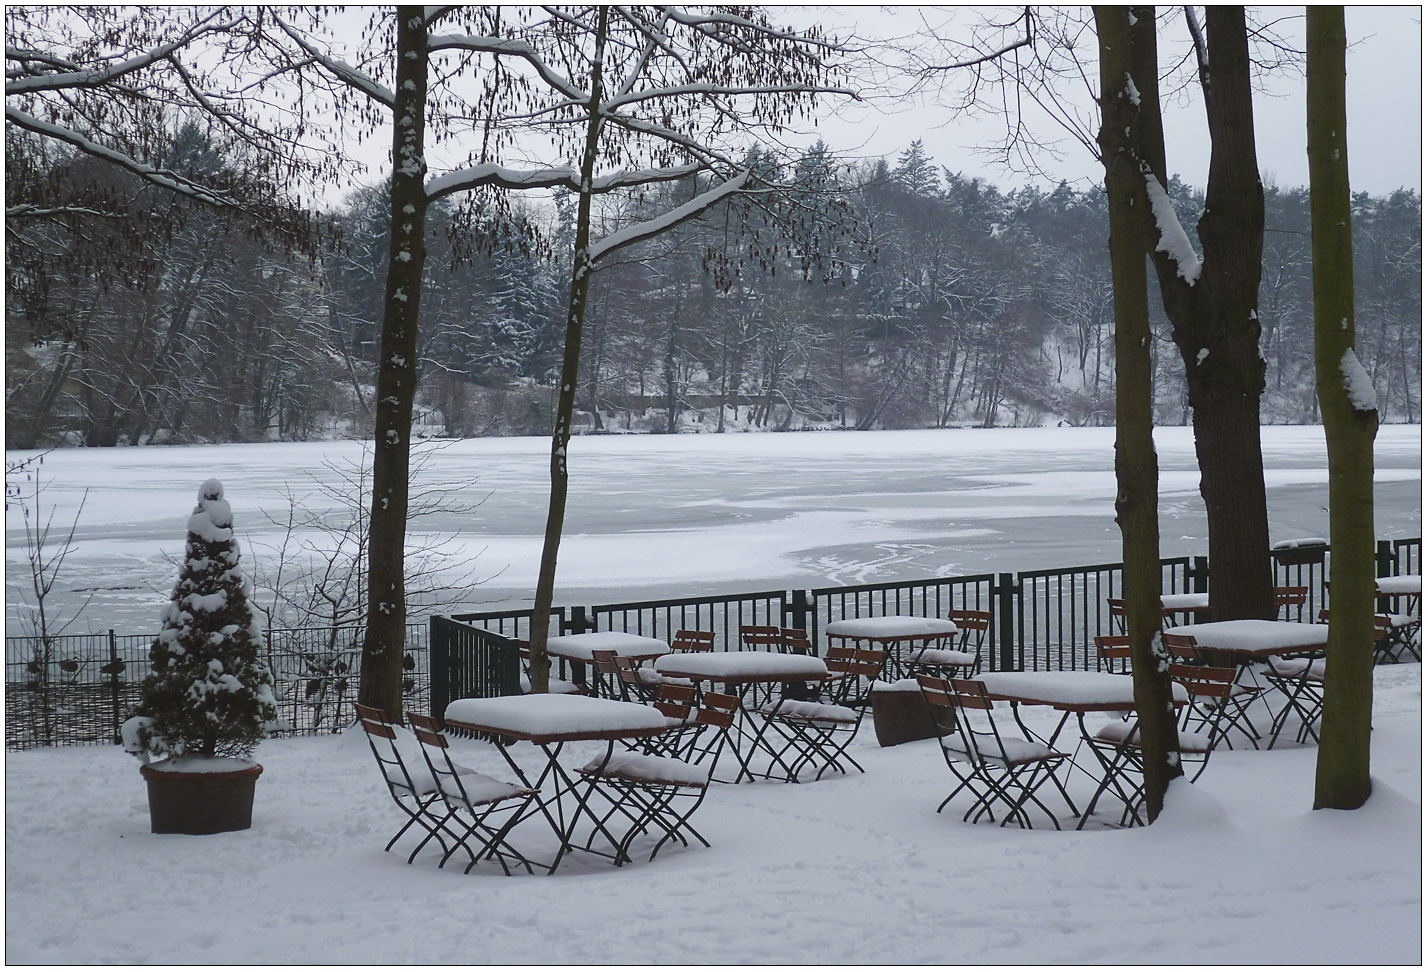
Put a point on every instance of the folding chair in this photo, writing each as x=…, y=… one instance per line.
x=1113, y=653
x=1388, y=636
x=606, y=681
x=1218, y=701
x=995, y=768
x=1117, y=606
x=820, y=731
x=414, y=792
x=640, y=684
x=963, y=660
x=1117, y=747
x=484, y=807
x=1301, y=679
x=1286, y=598
x=687, y=640
x=677, y=703
x=796, y=641
x=663, y=791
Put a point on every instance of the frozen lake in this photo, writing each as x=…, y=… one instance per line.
x=669, y=516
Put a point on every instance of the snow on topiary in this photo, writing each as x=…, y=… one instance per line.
x=209, y=694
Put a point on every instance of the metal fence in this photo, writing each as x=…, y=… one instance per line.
x=80, y=689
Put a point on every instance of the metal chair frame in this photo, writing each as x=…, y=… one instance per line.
x=819, y=732
x=981, y=760
x=415, y=802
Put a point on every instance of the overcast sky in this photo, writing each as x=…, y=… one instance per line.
x=1384, y=98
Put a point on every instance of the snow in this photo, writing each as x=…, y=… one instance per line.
x=1068, y=688
x=1254, y=635
x=1402, y=584
x=1239, y=870
x=1357, y=383
x=1301, y=542
x=555, y=715
x=1173, y=240
x=203, y=764
x=1184, y=602
x=890, y=626
x=581, y=646
x=734, y=665
x=772, y=511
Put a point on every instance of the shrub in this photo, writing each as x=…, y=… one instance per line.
x=209, y=694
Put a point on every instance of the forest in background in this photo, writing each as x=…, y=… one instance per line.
x=896, y=293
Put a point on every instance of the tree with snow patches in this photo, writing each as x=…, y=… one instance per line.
x=208, y=694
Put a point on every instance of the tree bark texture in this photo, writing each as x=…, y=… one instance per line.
x=1342, y=776
x=569, y=376
x=384, y=641
x=1137, y=468
x=1215, y=318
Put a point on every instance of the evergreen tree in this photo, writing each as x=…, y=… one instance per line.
x=208, y=693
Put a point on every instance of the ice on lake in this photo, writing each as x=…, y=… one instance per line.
x=671, y=516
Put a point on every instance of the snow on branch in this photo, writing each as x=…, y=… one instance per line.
x=514, y=48
x=343, y=71
x=491, y=174
x=80, y=77
x=1173, y=242
x=654, y=227
x=160, y=177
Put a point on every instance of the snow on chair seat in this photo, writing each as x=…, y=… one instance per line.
x=556, y=686
x=639, y=767
x=817, y=712
x=1121, y=732
x=943, y=658
x=1011, y=750
x=1295, y=667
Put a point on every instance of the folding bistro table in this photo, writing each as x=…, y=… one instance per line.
x=1071, y=693
x=1252, y=638
x=551, y=721
x=578, y=649
x=741, y=671
x=892, y=631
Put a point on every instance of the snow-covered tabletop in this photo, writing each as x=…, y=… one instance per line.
x=1185, y=602
x=1255, y=637
x=550, y=718
x=743, y=666
x=892, y=627
x=1402, y=584
x=1069, y=691
x=578, y=647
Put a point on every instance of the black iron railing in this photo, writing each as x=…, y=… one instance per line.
x=80, y=689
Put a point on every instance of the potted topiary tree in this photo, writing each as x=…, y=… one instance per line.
x=206, y=702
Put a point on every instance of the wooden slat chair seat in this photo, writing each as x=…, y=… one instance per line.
x=818, y=732
x=411, y=786
x=483, y=807
x=660, y=791
x=996, y=768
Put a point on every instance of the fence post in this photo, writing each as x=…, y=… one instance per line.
x=114, y=684
x=1200, y=575
x=579, y=620
x=1006, y=621
x=1385, y=562
x=796, y=605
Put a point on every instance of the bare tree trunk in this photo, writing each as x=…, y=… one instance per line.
x=1350, y=423
x=385, y=637
x=1127, y=48
x=569, y=377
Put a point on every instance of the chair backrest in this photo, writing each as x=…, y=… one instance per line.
x=675, y=701
x=1111, y=649
x=1181, y=646
x=761, y=636
x=1291, y=596
x=796, y=641
x=717, y=709
x=1117, y=606
x=418, y=721
x=690, y=640
x=1206, y=681
x=972, y=627
x=627, y=670
x=382, y=737
x=1382, y=624
x=367, y=712
x=857, y=662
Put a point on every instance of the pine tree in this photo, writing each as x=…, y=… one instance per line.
x=208, y=693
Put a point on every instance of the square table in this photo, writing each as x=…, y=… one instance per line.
x=551, y=721
x=740, y=669
x=579, y=649
x=892, y=631
x=1255, y=638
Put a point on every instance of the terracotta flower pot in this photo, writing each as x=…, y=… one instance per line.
x=199, y=803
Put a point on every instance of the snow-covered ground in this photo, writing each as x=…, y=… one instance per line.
x=668, y=516
x=849, y=870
